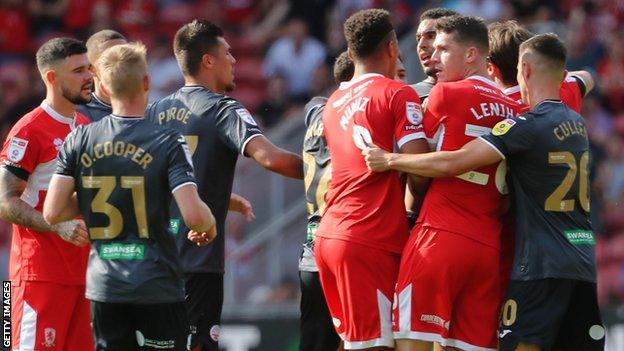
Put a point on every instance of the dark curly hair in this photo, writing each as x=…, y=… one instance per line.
x=366, y=30
x=468, y=29
x=438, y=12
x=343, y=68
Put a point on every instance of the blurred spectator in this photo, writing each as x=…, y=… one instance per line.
x=611, y=73
x=273, y=108
x=47, y=15
x=165, y=75
x=14, y=27
x=135, y=19
x=295, y=56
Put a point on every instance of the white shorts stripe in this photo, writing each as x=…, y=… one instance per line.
x=28, y=328
x=385, y=320
x=405, y=308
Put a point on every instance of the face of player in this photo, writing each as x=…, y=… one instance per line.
x=401, y=74
x=522, y=82
x=75, y=79
x=449, y=57
x=224, y=66
x=425, y=35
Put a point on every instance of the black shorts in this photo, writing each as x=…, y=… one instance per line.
x=121, y=326
x=204, y=301
x=317, y=329
x=558, y=314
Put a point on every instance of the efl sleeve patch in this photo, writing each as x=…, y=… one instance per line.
x=246, y=116
x=503, y=127
x=17, y=149
x=413, y=112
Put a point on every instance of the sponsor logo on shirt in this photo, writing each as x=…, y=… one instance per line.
x=17, y=149
x=118, y=251
x=580, y=237
x=174, y=225
x=246, y=116
x=503, y=127
x=433, y=319
x=413, y=112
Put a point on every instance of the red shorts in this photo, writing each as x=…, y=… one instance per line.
x=48, y=316
x=358, y=282
x=448, y=291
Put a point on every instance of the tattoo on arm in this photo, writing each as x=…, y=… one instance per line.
x=13, y=209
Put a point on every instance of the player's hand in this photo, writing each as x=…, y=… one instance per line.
x=242, y=205
x=205, y=238
x=376, y=158
x=74, y=232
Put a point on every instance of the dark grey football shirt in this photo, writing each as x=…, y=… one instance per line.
x=547, y=154
x=423, y=88
x=125, y=170
x=96, y=109
x=317, y=170
x=217, y=129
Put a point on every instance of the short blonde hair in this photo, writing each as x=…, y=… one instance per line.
x=122, y=69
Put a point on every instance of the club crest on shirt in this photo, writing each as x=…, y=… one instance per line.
x=503, y=127
x=413, y=112
x=49, y=336
x=17, y=149
x=246, y=116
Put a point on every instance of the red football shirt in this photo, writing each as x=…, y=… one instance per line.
x=570, y=93
x=32, y=145
x=469, y=204
x=362, y=205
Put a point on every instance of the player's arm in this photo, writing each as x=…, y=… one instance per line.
x=61, y=203
x=473, y=155
x=196, y=214
x=585, y=80
x=14, y=210
x=241, y=205
x=274, y=158
x=416, y=185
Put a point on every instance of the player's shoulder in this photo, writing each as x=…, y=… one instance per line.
x=313, y=109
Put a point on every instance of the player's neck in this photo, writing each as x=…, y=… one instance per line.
x=131, y=108
x=206, y=82
x=364, y=67
x=542, y=91
x=60, y=104
x=476, y=71
x=101, y=96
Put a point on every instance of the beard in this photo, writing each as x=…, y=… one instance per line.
x=431, y=72
x=230, y=87
x=76, y=98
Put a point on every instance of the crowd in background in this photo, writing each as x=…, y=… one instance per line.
x=284, y=51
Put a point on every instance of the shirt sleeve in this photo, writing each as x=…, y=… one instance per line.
x=408, y=116
x=236, y=125
x=68, y=155
x=512, y=135
x=21, y=149
x=434, y=112
x=180, y=163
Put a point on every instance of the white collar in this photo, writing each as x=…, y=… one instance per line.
x=57, y=116
x=484, y=80
x=126, y=118
x=347, y=85
x=511, y=90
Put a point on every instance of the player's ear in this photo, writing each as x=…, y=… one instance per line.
x=146, y=83
x=207, y=60
x=492, y=69
x=471, y=54
x=103, y=89
x=350, y=54
x=50, y=76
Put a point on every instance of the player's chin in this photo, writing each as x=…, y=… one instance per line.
x=230, y=87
